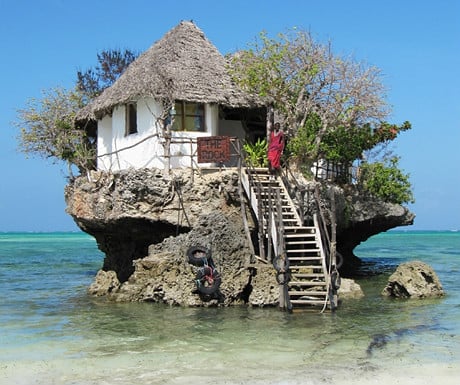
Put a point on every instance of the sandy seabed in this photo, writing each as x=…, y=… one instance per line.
x=86, y=372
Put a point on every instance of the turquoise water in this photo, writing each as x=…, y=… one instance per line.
x=53, y=333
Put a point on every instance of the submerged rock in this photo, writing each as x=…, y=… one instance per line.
x=105, y=283
x=350, y=289
x=413, y=279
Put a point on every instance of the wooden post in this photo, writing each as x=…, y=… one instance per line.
x=270, y=120
x=167, y=149
x=282, y=286
x=333, y=298
x=167, y=146
x=260, y=214
x=333, y=229
x=243, y=207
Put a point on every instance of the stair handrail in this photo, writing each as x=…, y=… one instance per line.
x=322, y=223
x=289, y=177
x=237, y=146
x=263, y=220
x=275, y=221
x=271, y=225
x=321, y=219
x=269, y=216
x=277, y=231
x=327, y=246
x=330, y=249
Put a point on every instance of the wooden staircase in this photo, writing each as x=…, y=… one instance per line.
x=306, y=279
x=308, y=283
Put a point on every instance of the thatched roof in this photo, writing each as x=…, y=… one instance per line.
x=183, y=65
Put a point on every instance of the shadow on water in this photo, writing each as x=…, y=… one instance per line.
x=379, y=341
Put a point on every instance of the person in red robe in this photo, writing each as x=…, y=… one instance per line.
x=275, y=149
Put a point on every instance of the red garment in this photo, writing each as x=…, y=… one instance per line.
x=275, y=149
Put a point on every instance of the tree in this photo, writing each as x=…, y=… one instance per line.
x=47, y=125
x=47, y=129
x=328, y=103
x=385, y=181
x=111, y=64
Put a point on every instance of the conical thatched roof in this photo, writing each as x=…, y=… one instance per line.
x=183, y=65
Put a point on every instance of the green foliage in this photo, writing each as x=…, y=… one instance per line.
x=301, y=146
x=331, y=106
x=111, y=64
x=347, y=144
x=256, y=153
x=342, y=145
x=47, y=129
x=47, y=125
x=386, y=181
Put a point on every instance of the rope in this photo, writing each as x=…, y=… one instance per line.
x=181, y=202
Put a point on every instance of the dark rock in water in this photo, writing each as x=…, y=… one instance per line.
x=413, y=280
x=378, y=342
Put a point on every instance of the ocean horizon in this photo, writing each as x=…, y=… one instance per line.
x=53, y=332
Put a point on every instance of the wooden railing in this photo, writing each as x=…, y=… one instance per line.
x=338, y=172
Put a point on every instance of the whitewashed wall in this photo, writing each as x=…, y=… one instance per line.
x=144, y=149
x=104, y=143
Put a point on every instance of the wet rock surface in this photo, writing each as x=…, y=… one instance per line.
x=145, y=222
x=413, y=279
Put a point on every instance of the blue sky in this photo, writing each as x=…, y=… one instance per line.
x=416, y=44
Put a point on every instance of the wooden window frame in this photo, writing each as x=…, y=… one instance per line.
x=180, y=119
x=130, y=119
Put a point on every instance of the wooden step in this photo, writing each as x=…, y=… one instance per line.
x=294, y=257
x=284, y=210
x=266, y=194
x=289, y=220
x=307, y=283
x=300, y=242
x=309, y=229
x=308, y=287
x=306, y=251
x=303, y=259
x=306, y=267
x=265, y=190
x=307, y=293
x=257, y=170
x=271, y=184
x=299, y=232
x=307, y=302
x=309, y=238
x=294, y=249
x=286, y=214
x=310, y=276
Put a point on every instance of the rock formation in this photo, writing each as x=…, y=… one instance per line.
x=349, y=289
x=413, y=279
x=145, y=223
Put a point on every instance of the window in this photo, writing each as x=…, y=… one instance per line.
x=189, y=117
x=131, y=119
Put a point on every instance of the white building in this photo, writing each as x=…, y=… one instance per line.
x=182, y=79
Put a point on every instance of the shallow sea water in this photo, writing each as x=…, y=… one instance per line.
x=53, y=333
